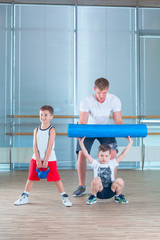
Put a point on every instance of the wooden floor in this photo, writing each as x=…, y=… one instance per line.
x=46, y=218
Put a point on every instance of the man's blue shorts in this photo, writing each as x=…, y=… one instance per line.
x=88, y=142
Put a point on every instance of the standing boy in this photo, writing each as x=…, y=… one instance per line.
x=43, y=157
x=104, y=186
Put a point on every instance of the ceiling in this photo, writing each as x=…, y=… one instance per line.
x=123, y=3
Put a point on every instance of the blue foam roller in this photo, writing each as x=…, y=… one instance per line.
x=107, y=130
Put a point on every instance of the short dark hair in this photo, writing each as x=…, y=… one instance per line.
x=101, y=83
x=47, y=107
x=104, y=147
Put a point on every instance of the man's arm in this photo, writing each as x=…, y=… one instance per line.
x=84, y=150
x=83, y=118
x=126, y=150
x=117, y=117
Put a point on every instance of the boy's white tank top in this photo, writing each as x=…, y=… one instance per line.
x=42, y=144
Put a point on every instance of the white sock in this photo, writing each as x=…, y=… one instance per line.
x=62, y=194
x=27, y=193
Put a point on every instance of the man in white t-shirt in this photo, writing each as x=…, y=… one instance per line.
x=96, y=109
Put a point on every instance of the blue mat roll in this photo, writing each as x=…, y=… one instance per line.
x=107, y=130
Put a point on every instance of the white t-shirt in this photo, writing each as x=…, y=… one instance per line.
x=42, y=144
x=104, y=171
x=99, y=113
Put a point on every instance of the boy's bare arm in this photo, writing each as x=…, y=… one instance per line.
x=35, y=149
x=50, y=145
x=126, y=150
x=84, y=150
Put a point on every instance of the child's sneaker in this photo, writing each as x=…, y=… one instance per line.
x=120, y=199
x=80, y=191
x=91, y=200
x=66, y=201
x=22, y=200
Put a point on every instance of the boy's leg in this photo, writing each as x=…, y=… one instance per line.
x=96, y=186
x=117, y=187
x=32, y=176
x=65, y=199
x=60, y=187
x=29, y=185
x=53, y=175
x=24, y=198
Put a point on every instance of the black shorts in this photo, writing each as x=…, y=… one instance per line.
x=106, y=193
x=88, y=142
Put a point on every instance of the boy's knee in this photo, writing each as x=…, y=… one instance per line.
x=96, y=181
x=120, y=182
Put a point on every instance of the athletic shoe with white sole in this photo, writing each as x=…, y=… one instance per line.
x=66, y=201
x=91, y=200
x=120, y=199
x=22, y=200
x=81, y=190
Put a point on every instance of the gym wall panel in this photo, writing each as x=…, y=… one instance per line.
x=4, y=155
x=152, y=153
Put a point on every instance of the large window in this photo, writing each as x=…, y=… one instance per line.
x=53, y=54
x=106, y=48
x=43, y=58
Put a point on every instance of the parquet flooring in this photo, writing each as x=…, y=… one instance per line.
x=46, y=218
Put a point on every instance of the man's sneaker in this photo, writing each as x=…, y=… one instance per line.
x=81, y=190
x=120, y=199
x=22, y=200
x=91, y=200
x=66, y=201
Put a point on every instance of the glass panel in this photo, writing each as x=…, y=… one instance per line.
x=106, y=48
x=149, y=22
x=150, y=75
x=149, y=19
x=44, y=58
x=5, y=72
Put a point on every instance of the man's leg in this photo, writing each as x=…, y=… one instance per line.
x=81, y=168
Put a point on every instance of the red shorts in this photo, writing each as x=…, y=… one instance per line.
x=53, y=174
